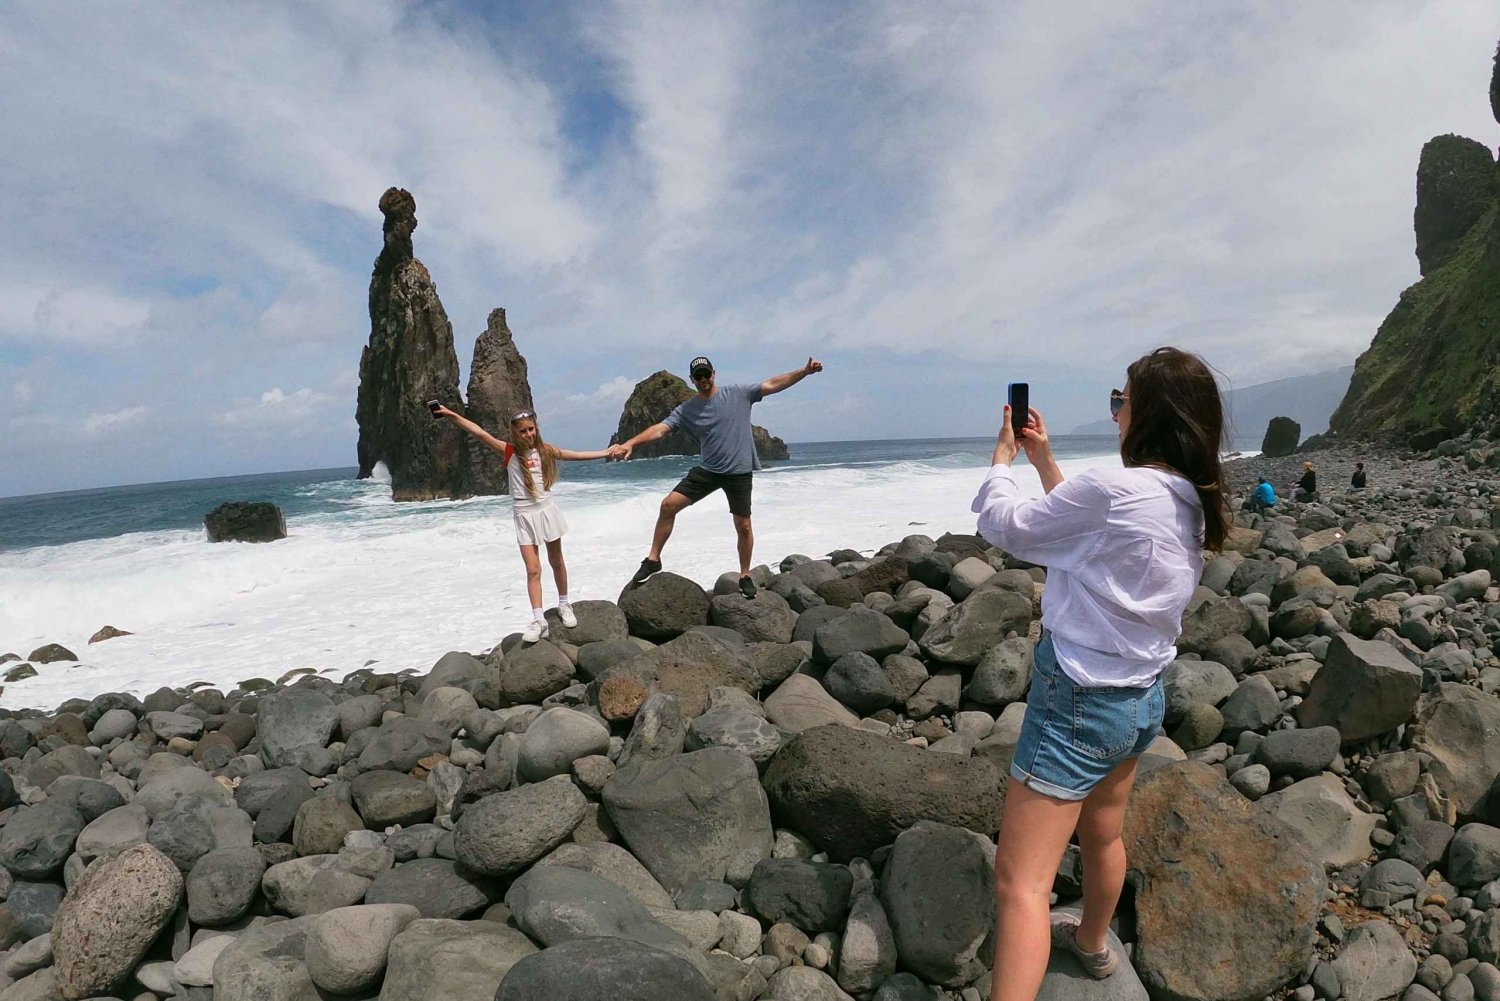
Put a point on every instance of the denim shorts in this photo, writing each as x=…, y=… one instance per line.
x=1072, y=736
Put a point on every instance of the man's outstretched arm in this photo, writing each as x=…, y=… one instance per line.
x=777, y=383
x=652, y=433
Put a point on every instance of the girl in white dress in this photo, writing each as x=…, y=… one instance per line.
x=531, y=469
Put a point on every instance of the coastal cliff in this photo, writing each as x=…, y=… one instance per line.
x=1433, y=369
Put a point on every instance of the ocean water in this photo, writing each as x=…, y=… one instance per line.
x=361, y=580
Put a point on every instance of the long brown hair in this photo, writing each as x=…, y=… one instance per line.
x=549, y=457
x=1177, y=424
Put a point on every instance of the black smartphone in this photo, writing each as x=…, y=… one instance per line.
x=433, y=406
x=1018, y=395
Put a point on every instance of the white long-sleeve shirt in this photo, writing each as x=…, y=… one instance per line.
x=1121, y=547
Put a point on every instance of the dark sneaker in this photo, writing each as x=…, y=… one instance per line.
x=648, y=567
x=747, y=587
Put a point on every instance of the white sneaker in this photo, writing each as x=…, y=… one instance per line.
x=565, y=612
x=535, y=631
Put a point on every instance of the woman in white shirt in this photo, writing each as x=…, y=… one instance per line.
x=1123, y=551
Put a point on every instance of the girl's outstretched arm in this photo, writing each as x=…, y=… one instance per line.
x=503, y=447
x=568, y=455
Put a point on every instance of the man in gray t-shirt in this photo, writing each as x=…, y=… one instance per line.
x=719, y=418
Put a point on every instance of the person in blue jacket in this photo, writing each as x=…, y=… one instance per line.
x=1263, y=497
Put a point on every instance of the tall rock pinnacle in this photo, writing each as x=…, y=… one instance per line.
x=498, y=390
x=409, y=360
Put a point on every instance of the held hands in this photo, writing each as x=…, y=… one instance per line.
x=619, y=453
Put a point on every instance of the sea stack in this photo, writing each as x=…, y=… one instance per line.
x=653, y=398
x=498, y=390
x=409, y=360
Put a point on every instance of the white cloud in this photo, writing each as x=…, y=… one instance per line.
x=275, y=409
x=35, y=312
x=615, y=391
x=119, y=420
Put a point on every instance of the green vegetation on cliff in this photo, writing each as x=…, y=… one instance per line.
x=1435, y=362
x=1433, y=369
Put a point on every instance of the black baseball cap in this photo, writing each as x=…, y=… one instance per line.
x=700, y=364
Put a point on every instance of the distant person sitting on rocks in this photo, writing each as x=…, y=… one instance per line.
x=1263, y=497
x=1307, y=487
x=1123, y=552
x=531, y=469
x=719, y=417
x=1357, y=481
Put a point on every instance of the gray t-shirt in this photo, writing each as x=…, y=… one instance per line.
x=721, y=424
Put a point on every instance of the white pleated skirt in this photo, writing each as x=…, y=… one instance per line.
x=539, y=524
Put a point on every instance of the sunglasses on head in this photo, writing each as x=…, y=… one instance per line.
x=525, y=415
x=1116, y=402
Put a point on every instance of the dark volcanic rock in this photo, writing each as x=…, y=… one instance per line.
x=687, y=667
x=700, y=815
x=245, y=521
x=813, y=896
x=1365, y=688
x=1455, y=186
x=852, y=792
x=587, y=969
x=1282, y=436
x=656, y=396
x=408, y=361
x=498, y=390
x=664, y=607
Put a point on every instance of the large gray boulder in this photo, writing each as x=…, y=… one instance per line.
x=556, y=739
x=689, y=667
x=293, y=721
x=1188, y=683
x=436, y=887
x=346, y=948
x=1210, y=622
x=392, y=799
x=588, y=969
x=508, y=831
x=975, y=625
x=437, y=959
x=38, y=839
x=803, y=983
x=598, y=622
x=222, y=885
x=766, y=618
x=700, y=815
x=938, y=890
x=664, y=607
x=858, y=681
x=556, y=904
x=851, y=791
x=265, y=963
x=867, y=951
x=1003, y=674
x=1066, y=980
x=1459, y=727
x=533, y=671
x=615, y=864
x=1321, y=811
x=1375, y=963
x=813, y=896
x=1365, y=688
x=1228, y=896
x=735, y=729
x=860, y=631
x=110, y=918
x=801, y=703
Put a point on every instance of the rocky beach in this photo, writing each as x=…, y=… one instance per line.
x=796, y=796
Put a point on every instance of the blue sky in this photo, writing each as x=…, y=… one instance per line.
x=934, y=198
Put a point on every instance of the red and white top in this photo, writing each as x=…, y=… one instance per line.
x=516, y=476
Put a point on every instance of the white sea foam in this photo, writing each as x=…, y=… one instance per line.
x=399, y=585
